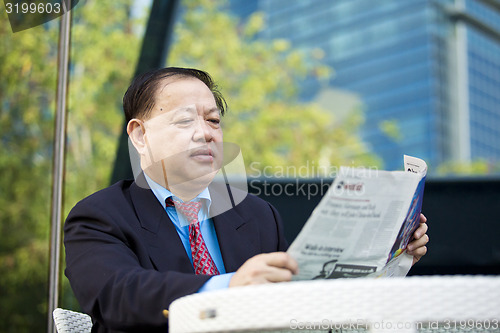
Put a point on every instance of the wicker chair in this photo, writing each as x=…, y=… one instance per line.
x=68, y=321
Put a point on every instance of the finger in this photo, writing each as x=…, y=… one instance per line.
x=418, y=252
x=422, y=241
x=421, y=230
x=282, y=260
x=264, y=269
x=278, y=275
x=423, y=219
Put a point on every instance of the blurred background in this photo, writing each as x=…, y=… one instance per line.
x=310, y=84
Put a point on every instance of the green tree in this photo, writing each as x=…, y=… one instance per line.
x=455, y=168
x=103, y=60
x=104, y=56
x=26, y=111
x=260, y=80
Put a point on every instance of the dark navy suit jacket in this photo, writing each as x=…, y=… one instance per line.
x=126, y=263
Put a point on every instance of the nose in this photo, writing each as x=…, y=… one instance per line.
x=203, y=132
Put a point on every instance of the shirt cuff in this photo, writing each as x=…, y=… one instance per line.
x=216, y=282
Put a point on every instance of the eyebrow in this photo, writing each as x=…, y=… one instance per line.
x=187, y=108
x=215, y=109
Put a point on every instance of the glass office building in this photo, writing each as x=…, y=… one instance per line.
x=483, y=55
x=430, y=67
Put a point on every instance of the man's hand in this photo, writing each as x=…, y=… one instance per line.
x=265, y=268
x=417, y=247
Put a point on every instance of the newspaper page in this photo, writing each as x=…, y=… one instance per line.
x=362, y=225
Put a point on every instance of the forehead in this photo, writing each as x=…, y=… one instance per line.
x=178, y=91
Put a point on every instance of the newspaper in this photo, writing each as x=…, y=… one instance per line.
x=363, y=224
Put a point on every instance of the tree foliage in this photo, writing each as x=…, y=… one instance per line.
x=458, y=168
x=103, y=60
x=260, y=80
x=26, y=103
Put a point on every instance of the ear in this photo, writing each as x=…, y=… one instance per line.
x=136, y=132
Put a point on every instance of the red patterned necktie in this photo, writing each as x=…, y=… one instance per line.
x=202, y=260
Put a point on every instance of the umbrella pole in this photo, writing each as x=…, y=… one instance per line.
x=58, y=162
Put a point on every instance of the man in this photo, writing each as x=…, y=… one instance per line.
x=135, y=247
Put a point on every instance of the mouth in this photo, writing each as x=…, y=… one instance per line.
x=202, y=155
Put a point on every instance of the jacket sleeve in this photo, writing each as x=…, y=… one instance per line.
x=111, y=274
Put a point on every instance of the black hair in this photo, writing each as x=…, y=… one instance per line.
x=139, y=99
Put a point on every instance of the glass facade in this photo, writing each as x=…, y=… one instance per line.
x=400, y=58
x=484, y=82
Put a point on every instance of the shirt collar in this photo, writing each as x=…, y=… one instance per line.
x=162, y=194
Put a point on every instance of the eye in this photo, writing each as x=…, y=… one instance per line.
x=184, y=121
x=214, y=120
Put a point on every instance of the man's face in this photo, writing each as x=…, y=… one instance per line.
x=183, y=136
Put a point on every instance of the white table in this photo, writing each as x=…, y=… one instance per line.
x=423, y=304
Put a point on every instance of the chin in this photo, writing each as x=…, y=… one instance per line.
x=203, y=178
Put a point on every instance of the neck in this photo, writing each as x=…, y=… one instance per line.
x=183, y=193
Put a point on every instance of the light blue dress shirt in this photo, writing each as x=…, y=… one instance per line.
x=207, y=231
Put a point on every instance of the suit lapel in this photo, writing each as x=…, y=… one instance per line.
x=158, y=232
x=237, y=236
